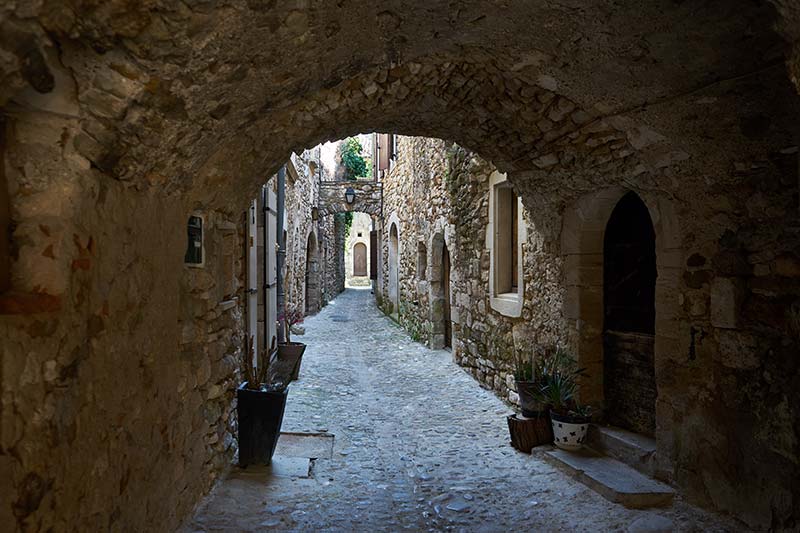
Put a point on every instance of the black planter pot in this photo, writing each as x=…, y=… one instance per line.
x=260, y=417
x=530, y=408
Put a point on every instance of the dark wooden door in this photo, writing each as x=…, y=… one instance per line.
x=448, y=327
x=629, y=271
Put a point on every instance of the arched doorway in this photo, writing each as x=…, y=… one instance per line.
x=440, y=311
x=448, y=325
x=394, y=243
x=629, y=286
x=360, y=259
x=312, y=275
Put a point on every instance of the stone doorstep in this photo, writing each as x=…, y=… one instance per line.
x=309, y=445
x=633, y=449
x=613, y=480
x=292, y=467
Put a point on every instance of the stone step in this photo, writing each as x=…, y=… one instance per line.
x=612, y=479
x=633, y=449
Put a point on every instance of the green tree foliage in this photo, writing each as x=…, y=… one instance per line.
x=355, y=166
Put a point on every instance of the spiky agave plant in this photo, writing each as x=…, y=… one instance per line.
x=256, y=378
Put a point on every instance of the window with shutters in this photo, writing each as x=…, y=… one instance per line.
x=505, y=236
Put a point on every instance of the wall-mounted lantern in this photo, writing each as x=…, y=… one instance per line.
x=350, y=195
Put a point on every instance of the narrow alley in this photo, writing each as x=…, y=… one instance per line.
x=418, y=445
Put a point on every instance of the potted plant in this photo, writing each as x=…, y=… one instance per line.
x=525, y=369
x=290, y=354
x=260, y=404
x=558, y=390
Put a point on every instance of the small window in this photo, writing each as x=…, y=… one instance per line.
x=506, y=240
x=422, y=261
x=359, y=234
x=504, y=237
x=194, y=248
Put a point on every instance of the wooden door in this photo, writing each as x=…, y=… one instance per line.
x=448, y=325
x=360, y=259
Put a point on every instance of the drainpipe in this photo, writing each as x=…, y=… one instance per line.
x=281, y=254
x=265, y=294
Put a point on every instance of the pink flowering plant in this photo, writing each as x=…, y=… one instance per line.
x=292, y=316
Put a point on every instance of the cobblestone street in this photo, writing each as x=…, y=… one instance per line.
x=419, y=446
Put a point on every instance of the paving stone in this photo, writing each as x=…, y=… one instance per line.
x=397, y=408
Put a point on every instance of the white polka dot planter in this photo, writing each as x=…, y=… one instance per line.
x=569, y=432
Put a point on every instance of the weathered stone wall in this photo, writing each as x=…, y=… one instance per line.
x=727, y=301
x=123, y=117
x=312, y=279
x=437, y=193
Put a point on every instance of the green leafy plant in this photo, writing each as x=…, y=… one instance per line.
x=355, y=166
x=556, y=375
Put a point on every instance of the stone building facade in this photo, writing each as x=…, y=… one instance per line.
x=723, y=305
x=120, y=119
x=314, y=271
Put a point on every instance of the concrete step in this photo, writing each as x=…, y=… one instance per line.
x=633, y=449
x=613, y=480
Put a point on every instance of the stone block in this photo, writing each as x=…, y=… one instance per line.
x=726, y=301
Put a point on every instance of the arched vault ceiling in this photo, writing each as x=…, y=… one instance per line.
x=199, y=96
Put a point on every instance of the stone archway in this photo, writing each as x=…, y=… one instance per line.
x=629, y=282
x=393, y=289
x=312, y=276
x=129, y=116
x=582, y=243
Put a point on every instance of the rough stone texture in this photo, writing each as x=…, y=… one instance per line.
x=314, y=268
x=447, y=467
x=711, y=360
x=123, y=117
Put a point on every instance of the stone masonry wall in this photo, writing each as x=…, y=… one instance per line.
x=121, y=118
x=324, y=267
x=439, y=190
x=727, y=301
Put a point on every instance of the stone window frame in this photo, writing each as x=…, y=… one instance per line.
x=203, y=252
x=507, y=304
